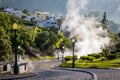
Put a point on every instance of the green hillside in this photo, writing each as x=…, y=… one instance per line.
x=34, y=41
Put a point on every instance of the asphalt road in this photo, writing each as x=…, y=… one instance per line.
x=53, y=74
x=44, y=71
x=106, y=74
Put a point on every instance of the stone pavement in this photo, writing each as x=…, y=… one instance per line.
x=19, y=76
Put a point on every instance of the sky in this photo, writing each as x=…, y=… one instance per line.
x=58, y=7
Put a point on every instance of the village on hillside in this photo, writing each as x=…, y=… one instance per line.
x=42, y=19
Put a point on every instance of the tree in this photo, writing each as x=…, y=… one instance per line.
x=110, y=33
x=45, y=42
x=5, y=46
x=105, y=21
x=24, y=35
x=59, y=22
x=48, y=41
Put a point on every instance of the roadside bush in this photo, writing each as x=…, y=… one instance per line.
x=83, y=58
x=95, y=55
x=75, y=57
x=102, y=54
x=117, y=54
x=88, y=58
x=100, y=59
x=68, y=58
x=111, y=56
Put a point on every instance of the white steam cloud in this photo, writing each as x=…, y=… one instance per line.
x=89, y=33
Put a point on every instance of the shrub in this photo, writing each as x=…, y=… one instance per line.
x=83, y=58
x=95, y=55
x=100, y=59
x=88, y=58
x=117, y=54
x=68, y=58
x=111, y=56
x=102, y=54
x=75, y=57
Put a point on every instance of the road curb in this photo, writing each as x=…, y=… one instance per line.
x=19, y=76
x=94, y=76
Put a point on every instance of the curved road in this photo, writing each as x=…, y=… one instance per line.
x=43, y=68
x=45, y=71
x=106, y=74
x=52, y=74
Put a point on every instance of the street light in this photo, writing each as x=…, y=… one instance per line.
x=58, y=53
x=16, y=68
x=63, y=54
x=73, y=61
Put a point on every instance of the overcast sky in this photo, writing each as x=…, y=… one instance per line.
x=112, y=7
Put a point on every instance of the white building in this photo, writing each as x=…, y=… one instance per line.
x=42, y=19
x=52, y=22
x=40, y=16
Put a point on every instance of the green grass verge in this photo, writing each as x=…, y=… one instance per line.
x=101, y=64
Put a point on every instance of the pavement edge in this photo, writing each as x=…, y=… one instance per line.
x=94, y=76
x=19, y=76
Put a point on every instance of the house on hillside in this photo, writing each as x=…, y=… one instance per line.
x=9, y=10
x=40, y=16
x=51, y=22
x=41, y=19
x=18, y=13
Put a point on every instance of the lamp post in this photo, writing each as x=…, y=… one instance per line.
x=58, y=53
x=63, y=54
x=73, y=61
x=16, y=68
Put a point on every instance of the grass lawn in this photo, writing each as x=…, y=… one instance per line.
x=101, y=64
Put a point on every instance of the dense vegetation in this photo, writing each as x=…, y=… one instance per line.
x=29, y=40
x=95, y=60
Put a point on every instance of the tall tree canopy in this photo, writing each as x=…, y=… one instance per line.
x=24, y=36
